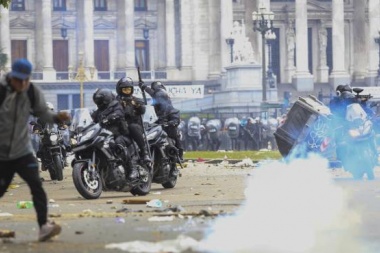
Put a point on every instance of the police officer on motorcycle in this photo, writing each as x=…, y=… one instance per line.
x=165, y=112
x=134, y=108
x=110, y=115
x=39, y=126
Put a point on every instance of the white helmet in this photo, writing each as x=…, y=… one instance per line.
x=50, y=106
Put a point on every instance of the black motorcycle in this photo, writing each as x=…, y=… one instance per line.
x=164, y=156
x=51, y=152
x=98, y=165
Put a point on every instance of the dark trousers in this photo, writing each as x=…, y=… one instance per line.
x=27, y=168
x=174, y=134
x=136, y=133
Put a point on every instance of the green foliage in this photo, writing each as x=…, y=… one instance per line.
x=238, y=155
x=3, y=59
x=5, y=3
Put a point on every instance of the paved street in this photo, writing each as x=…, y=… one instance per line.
x=203, y=191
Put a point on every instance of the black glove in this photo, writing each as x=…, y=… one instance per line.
x=142, y=85
x=113, y=117
x=172, y=123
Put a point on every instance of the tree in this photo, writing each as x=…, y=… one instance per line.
x=5, y=3
x=3, y=60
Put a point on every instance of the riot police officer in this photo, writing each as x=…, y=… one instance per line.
x=134, y=108
x=343, y=98
x=165, y=111
x=110, y=115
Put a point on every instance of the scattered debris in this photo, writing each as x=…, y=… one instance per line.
x=135, y=201
x=200, y=160
x=24, y=204
x=175, y=209
x=247, y=162
x=110, y=201
x=154, y=203
x=6, y=214
x=7, y=234
x=51, y=201
x=55, y=215
x=79, y=232
x=161, y=218
x=120, y=220
x=13, y=186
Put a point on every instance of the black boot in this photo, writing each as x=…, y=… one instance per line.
x=133, y=174
x=180, y=154
x=145, y=156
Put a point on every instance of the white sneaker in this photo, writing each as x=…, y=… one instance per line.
x=48, y=230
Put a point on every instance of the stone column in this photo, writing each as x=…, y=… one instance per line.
x=201, y=39
x=88, y=13
x=338, y=74
x=214, y=39
x=290, y=34
x=130, y=39
x=373, y=50
x=323, y=69
x=170, y=37
x=5, y=39
x=302, y=80
x=226, y=20
x=360, y=41
x=161, y=37
x=47, y=42
x=187, y=32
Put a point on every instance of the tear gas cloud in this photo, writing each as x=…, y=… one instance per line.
x=290, y=207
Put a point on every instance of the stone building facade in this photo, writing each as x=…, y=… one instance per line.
x=184, y=42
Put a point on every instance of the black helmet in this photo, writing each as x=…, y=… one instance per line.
x=125, y=82
x=157, y=85
x=340, y=89
x=102, y=97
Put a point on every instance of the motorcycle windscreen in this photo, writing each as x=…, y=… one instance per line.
x=150, y=115
x=81, y=119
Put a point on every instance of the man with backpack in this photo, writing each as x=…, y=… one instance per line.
x=18, y=99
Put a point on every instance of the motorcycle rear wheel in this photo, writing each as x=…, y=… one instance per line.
x=143, y=188
x=89, y=189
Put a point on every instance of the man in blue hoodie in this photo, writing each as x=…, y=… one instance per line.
x=16, y=151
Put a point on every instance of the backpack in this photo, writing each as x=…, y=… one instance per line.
x=30, y=94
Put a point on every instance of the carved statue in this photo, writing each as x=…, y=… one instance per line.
x=291, y=43
x=322, y=36
x=243, y=51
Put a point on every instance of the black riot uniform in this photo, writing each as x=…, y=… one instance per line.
x=165, y=111
x=110, y=115
x=133, y=108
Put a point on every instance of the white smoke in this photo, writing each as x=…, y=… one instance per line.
x=289, y=208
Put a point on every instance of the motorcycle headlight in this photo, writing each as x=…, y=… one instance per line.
x=87, y=136
x=53, y=138
x=152, y=135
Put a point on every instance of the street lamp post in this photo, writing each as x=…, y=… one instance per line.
x=377, y=40
x=270, y=38
x=81, y=76
x=263, y=22
x=230, y=41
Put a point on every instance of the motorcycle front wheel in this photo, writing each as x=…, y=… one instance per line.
x=58, y=165
x=90, y=187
